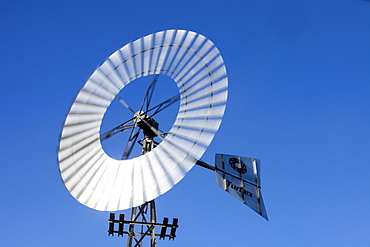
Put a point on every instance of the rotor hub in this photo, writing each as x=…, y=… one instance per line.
x=147, y=124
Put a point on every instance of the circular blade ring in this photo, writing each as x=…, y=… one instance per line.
x=103, y=183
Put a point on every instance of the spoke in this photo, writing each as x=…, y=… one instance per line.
x=162, y=133
x=149, y=93
x=119, y=98
x=120, y=128
x=160, y=107
x=104, y=137
x=130, y=143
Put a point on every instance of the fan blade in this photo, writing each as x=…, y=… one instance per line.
x=104, y=183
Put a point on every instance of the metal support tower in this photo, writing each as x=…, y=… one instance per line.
x=140, y=224
x=140, y=212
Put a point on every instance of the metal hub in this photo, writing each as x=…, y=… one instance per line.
x=147, y=124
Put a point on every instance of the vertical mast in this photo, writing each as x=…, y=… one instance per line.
x=141, y=211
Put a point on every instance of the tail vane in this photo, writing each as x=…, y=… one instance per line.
x=240, y=177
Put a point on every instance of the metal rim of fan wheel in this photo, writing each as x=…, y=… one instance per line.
x=103, y=183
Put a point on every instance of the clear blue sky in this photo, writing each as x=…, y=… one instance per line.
x=299, y=84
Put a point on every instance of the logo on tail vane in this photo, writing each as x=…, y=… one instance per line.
x=239, y=176
x=238, y=165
